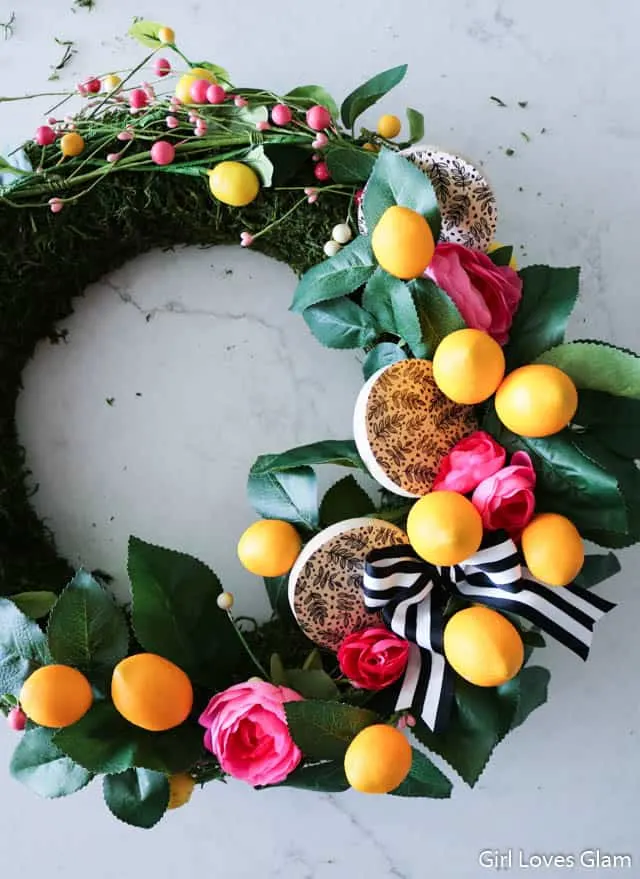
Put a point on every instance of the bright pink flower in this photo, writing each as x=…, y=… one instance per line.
x=469, y=462
x=246, y=729
x=506, y=500
x=373, y=658
x=487, y=296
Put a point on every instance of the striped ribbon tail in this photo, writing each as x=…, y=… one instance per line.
x=400, y=585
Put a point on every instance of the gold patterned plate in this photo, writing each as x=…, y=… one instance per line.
x=404, y=425
x=326, y=581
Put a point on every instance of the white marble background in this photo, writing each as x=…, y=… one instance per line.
x=221, y=353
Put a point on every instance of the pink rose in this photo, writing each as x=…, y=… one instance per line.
x=469, y=462
x=506, y=500
x=373, y=658
x=486, y=295
x=247, y=731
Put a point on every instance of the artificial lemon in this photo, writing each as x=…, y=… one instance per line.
x=378, y=759
x=151, y=692
x=183, y=86
x=180, y=789
x=444, y=528
x=389, y=126
x=553, y=549
x=269, y=547
x=166, y=35
x=468, y=366
x=496, y=245
x=233, y=183
x=536, y=400
x=71, y=144
x=55, y=696
x=402, y=242
x=483, y=647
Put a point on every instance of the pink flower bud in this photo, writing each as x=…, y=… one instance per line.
x=52, y=120
x=321, y=172
x=320, y=140
x=149, y=91
x=246, y=239
x=17, y=719
x=172, y=122
x=263, y=126
x=240, y=102
x=161, y=67
x=125, y=135
x=312, y=198
x=200, y=129
x=113, y=157
x=55, y=205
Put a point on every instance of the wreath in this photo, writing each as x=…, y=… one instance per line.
x=405, y=617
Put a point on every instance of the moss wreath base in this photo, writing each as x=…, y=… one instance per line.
x=67, y=220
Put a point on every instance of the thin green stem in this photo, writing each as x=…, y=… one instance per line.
x=245, y=644
x=125, y=80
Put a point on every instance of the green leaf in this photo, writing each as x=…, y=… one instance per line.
x=613, y=421
x=175, y=613
x=501, y=256
x=390, y=301
x=35, y=605
x=345, y=500
x=548, y=297
x=437, y=313
x=397, y=181
x=408, y=321
x=86, y=628
x=252, y=115
x=369, y=93
x=344, y=453
x=597, y=366
x=529, y=690
x=416, y=125
x=349, y=164
x=261, y=164
x=596, y=569
x=290, y=494
x=104, y=742
x=333, y=278
x=23, y=647
x=146, y=32
x=313, y=661
x=341, y=324
x=532, y=638
x=219, y=72
x=277, y=671
x=324, y=729
x=278, y=594
x=309, y=95
x=424, y=780
x=384, y=354
x=43, y=768
x=326, y=777
x=312, y=683
x=137, y=797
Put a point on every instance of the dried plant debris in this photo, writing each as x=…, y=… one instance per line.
x=7, y=26
x=67, y=55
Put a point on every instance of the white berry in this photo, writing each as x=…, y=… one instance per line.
x=342, y=233
x=331, y=248
x=225, y=600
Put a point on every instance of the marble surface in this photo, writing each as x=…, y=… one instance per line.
x=221, y=369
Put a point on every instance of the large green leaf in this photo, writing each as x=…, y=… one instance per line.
x=175, y=613
x=311, y=683
x=349, y=164
x=104, y=742
x=44, y=769
x=325, y=777
x=333, y=278
x=613, y=421
x=596, y=569
x=341, y=324
x=290, y=494
x=397, y=181
x=501, y=256
x=257, y=159
x=597, y=366
x=306, y=96
x=390, y=301
x=86, y=627
x=35, y=605
x=138, y=796
x=548, y=297
x=146, y=32
x=369, y=93
x=416, y=125
x=383, y=354
x=424, y=780
x=529, y=690
x=323, y=730
x=23, y=647
x=278, y=594
x=341, y=452
x=437, y=313
x=345, y=500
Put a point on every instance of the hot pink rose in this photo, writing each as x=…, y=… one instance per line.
x=247, y=731
x=506, y=500
x=469, y=462
x=486, y=295
x=373, y=658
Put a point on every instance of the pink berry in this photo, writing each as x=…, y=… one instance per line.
x=172, y=122
x=52, y=120
x=321, y=172
x=281, y=114
x=55, y=205
x=45, y=135
x=240, y=102
x=246, y=239
x=262, y=126
x=17, y=719
x=138, y=99
x=320, y=140
x=163, y=152
x=149, y=91
x=161, y=66
x=125, y=135
x=318, y=118
x=358, y=196
x=81, y=88
x=92, y=85
x=200, y=129
x=113, y=157
x=198, y=91
x=216, y=94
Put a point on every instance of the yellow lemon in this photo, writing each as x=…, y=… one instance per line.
x=402, y=242
x=71, y=144
x=166, y=35
x=378, y=759
x=389, y=126
x=151, y=692
x=183, y=86
x=55, y=696
x=233, y=183
x=553, y=549
x=444, y=528
x=536, y=400
x=483, y=647
x=269, y=547
x=180, y=789
x=468, y=366
x=496, y=245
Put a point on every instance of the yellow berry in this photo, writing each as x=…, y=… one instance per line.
x=389, y=126
x=181, y=787
x=111, y=82
x=166, y=35
x=71, y=144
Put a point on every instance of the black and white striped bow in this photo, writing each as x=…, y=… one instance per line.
x=412, y=595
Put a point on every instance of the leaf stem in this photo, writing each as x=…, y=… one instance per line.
x=245, y=644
